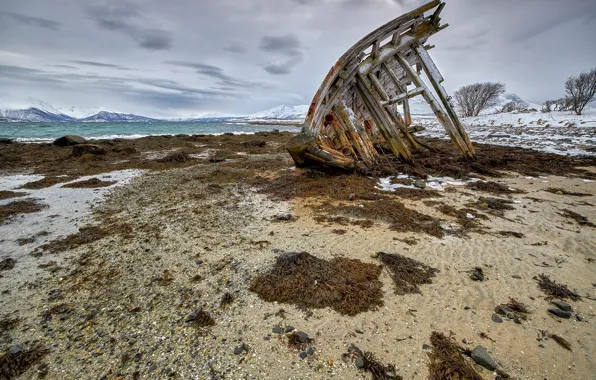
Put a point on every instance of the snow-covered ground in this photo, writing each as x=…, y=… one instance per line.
x=555, y=132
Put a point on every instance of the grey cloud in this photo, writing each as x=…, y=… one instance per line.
x=217, y=73
x=98, y=64
x=64, y=67
x=125, y=17
x=235, y=47
x=288, y=50
x=29, y=20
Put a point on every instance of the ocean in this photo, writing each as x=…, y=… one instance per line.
x=48, y=132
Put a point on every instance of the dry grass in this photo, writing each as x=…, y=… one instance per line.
x=492, y=187
x=372, y=365
x=407, y=274
x=399, y=217
x=86, y=235
x=348, y=286
x=561, y=341
x=45, y=182
x=14, y=364
x=91, y=183
x=7, y=194
x=555, y=190
x=226, y=300
x=26, y=206
x=579, y=219
x=447, y=362
x=553, y=289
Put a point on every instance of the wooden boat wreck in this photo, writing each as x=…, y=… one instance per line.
x=355, y=114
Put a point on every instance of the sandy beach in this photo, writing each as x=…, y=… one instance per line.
x=154, y=273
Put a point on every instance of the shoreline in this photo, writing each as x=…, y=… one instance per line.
x=188, y=232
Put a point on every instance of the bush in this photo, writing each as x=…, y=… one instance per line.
x=581, y=90
x=475, y=98
x=515, y=105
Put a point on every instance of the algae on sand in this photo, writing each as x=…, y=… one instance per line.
x=447, y=362
x=407, y=274
x=346, y=285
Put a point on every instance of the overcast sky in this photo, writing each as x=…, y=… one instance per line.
x=179, y=58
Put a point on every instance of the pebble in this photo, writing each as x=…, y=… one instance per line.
x=310, y=351
x=290, y=328
x=199, y=262
x=467, y=308
x=301, y=337
x=426, y=347
x=277, y=330
x=351, y=197
x=563, y=305
x=481, y=357
x=560, y=313
x=497, y=319
x=303, y=355
x=238, y=350
x=359, y=363
x=420, y=184
x=579, y=317
x=285, y=217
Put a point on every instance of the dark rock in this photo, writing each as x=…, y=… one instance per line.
x=81, y=149
x=239, y=350
x=5, y=141
x=310, y=351
x=267, y=337
x=15, y=350
x=7, y=264
x=194, y=315
x=351, y=197
x=497, y=319
x=426, y=347
x=481, y=357
x=579, y=317
x=477, y=275
x=69, y=140
x=199, y=262
x=560, y=313
x=277, y=330
x=301, y=337
x=283, y=218
x=420, y=184
x=289, y=328
x=359, y=331
x=563, y=306
x=467, y=308
x=303, y=355
x=359, y=363
x=228, y=134
x=517, y=320
x=541, y=345
x=254, y=143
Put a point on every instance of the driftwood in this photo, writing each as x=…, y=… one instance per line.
x=356, y=107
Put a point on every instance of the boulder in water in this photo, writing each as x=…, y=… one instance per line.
x=69, y=140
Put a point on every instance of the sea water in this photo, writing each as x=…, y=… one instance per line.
x=47, y=132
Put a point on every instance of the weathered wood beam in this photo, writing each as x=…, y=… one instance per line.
x=435, y=78
x=361, y=143
x=435, y=106
x=371, y=102
x=403, y=97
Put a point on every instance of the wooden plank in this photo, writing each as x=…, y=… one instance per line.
x=435, y=79
x=365, y=150
x=403, y=97
x=382, y=122
x=435, y=106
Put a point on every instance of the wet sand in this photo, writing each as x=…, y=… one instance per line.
x=186, y=233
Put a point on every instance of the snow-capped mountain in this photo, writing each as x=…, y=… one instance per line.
x=281, y=113
x=113, y=117
x=33, y=114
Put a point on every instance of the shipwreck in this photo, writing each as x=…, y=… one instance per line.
x=362, y=107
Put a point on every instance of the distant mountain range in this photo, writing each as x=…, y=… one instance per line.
x=43, y=112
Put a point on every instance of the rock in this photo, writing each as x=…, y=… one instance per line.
x=477, y=275
x=81, y=149
x=510, y=315
x=199, y=262
x=467, y=308
x=69, y=140
x=426, y=347
x=303, y=355
x=283, y=218
x=289, y=328
x=5, y=141
x=374, y=255
x=497, y=319
x=239, y=350
x=351, y=197
x=254, y=143
x=560, y=313
x=579, y=317
x=420, y=184
x=359, y=363
x=563, y=306
x=541, y=345
x=194, y=315
x=301, y=337
x=359, y=331
x=310, y=351
x=15, y=350
x=481, y=357
x=7, y=264
x=465, y=341
x=277, y=330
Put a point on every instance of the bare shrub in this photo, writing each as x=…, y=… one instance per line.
x=475, y=98
x=548, y=106
x=515, y=105
x=581, y=90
